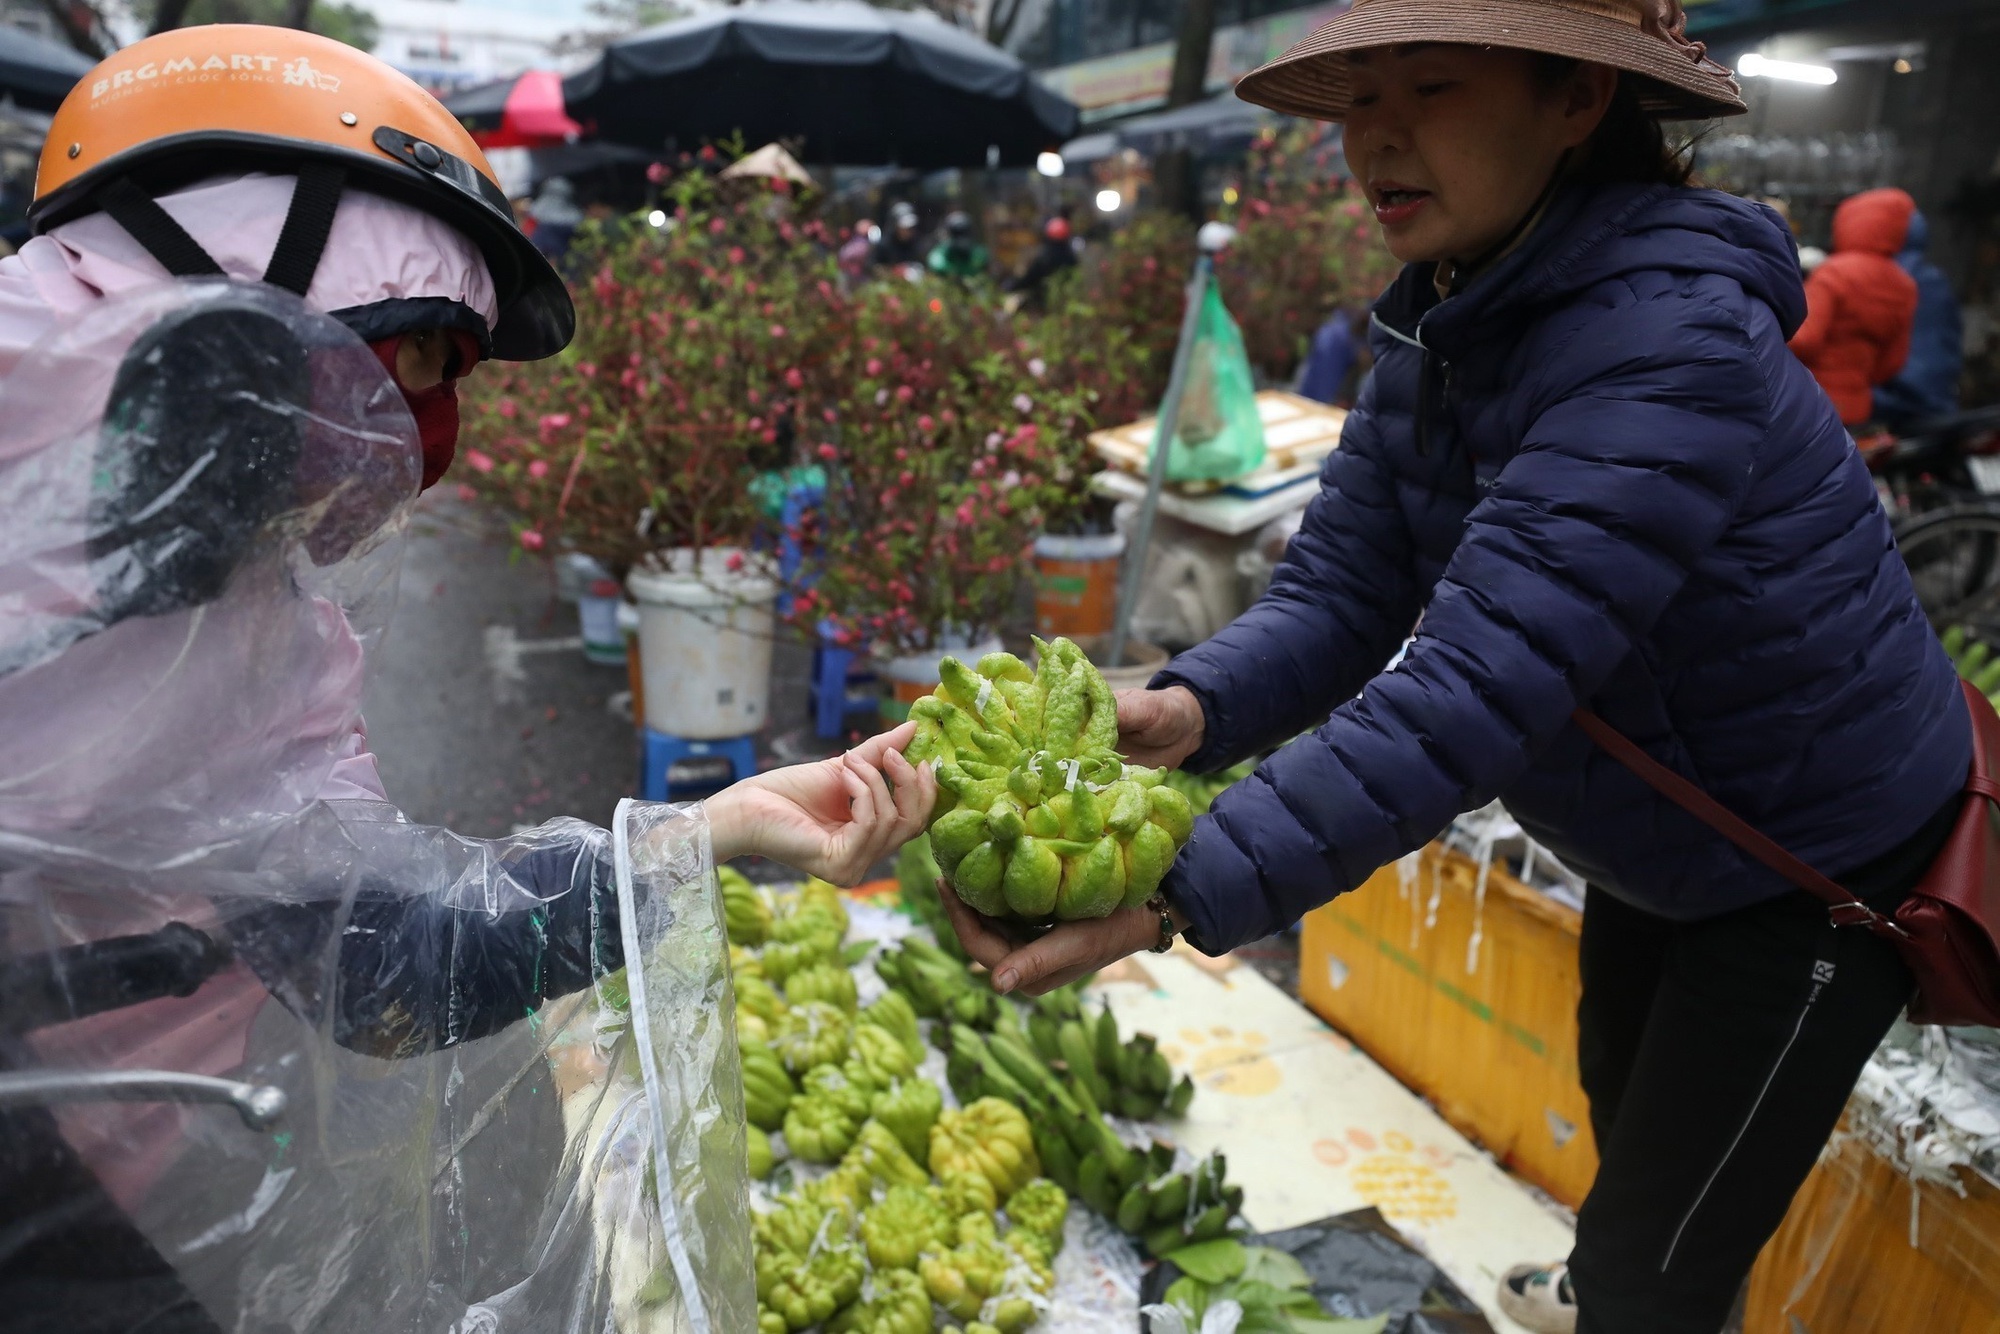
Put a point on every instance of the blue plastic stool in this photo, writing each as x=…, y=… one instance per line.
x=658, y=753
x=834, y=697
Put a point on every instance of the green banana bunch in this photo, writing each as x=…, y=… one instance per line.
x=767, y=1089
x=781, y=958
x=1038, y=817
x=934, y=983
x=1184, y=1208
x=746, y=913
x=1131, y=1078
x=827, y=982
x=880, y=1057
x=893, y=1014
x=909, y=1108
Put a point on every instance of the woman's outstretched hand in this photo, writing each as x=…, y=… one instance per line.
x=1160, y=727
x=1033, y=964
x=833, y=819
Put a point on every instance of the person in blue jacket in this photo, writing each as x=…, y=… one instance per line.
x=1585, y=474
x=1927, y=386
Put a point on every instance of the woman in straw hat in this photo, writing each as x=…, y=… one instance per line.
x=1587, y=461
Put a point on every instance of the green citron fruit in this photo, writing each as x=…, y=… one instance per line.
x=1042, y=822
x=978, y=878
x=1005, y=821
x=1093, y=884
x=1038, y=815
x=956, y=833
x=1033, y=880
x=1147, y=858
x=1172, y=813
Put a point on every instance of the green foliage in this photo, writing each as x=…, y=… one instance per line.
x=1305, y=245
x=352, y=24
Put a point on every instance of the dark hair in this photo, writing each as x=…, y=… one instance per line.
x=1629, y=145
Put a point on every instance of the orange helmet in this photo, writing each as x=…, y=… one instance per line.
x=199, y=102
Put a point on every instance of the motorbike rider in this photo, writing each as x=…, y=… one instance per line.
x=959, y=254
x=899, y=246
x=1056, y=254
x=204, y=892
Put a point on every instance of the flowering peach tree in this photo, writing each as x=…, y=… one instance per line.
x=950, y=445
x=699, y=345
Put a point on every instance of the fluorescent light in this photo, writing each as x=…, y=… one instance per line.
x=1049, y=164
x=1108, y=201
x=1755, y=66
x=657, y=217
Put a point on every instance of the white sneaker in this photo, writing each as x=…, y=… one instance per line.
x=1539, y=1298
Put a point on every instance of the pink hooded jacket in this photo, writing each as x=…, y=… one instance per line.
x=134, y=751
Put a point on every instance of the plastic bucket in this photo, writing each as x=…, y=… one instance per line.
x=1076, y=583
x=704, y=643
x=597, y=610
x=914, y=676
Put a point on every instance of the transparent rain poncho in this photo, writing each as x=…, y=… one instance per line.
x=273, y=1058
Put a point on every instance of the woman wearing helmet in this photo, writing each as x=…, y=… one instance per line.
x=206, y=893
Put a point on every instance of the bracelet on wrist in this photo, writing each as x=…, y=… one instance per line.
x=1158, y=904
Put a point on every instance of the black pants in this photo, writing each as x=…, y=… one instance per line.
x=1717, y=1056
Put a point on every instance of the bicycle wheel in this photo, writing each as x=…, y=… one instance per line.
x=1954, y=561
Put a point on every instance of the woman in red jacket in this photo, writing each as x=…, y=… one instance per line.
x=1860, y=304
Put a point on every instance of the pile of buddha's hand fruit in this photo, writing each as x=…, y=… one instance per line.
x=1038, y=816
x=894, y=1205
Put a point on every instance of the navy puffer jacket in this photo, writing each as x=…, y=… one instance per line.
x=1601, y=479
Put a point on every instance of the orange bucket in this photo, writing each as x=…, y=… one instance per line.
x=1076, y=583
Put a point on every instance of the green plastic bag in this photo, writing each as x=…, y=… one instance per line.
x=1219, y=434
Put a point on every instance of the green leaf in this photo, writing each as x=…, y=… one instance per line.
x=1191, y=1296
x=1215, y=1261
x=1267, y=1264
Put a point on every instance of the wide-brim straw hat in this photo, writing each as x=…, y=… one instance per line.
x=1648, y=38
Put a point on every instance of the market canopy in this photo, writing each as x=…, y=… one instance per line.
x=522, y=112
x=35, y=73
x=1221, y=125
x=859, y=86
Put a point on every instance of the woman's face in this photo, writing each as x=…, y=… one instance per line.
x=1455, y=143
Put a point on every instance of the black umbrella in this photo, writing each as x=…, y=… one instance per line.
x=35, y=73
x=860, y=86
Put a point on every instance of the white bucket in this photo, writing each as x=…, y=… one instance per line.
x=916, y=675
x=705, y=643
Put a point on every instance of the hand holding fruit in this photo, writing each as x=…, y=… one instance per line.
x=833, y=819
x=1038, y=816
x=1160, y=727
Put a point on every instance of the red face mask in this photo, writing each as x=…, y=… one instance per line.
x=435, y=408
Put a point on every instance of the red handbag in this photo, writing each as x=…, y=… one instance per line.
x=1947, y=930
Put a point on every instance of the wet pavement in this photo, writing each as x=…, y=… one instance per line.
x=482, y=711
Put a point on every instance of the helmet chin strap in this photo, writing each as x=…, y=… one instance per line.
x=308, y=223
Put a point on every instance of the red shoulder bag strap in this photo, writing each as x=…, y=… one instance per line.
x=1846, y=909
